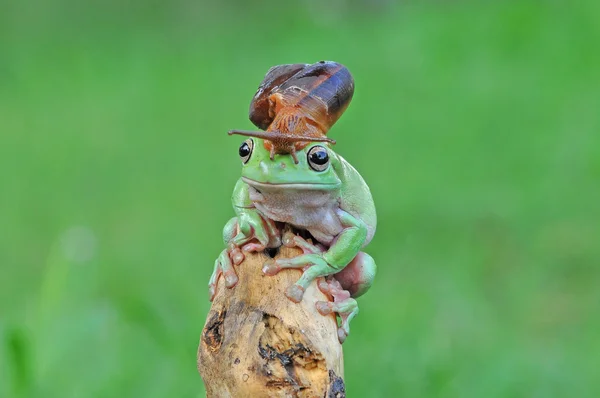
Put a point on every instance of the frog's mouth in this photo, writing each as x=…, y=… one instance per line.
x=269, y=186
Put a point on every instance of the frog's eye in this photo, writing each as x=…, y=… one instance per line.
x=246, y=150
x=318, y=158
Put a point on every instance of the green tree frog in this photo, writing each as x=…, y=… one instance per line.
x=315, y=191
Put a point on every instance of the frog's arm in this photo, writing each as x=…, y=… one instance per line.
x=237, y=234
x=249, y=222
x=355, y=195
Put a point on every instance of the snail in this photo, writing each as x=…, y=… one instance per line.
x=298, y=103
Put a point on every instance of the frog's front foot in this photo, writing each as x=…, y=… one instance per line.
x=295, y=292
x=223, y=266
x=312, y=265
x=344, y=305
x=235, y=254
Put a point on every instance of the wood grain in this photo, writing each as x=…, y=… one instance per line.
x=257, y=343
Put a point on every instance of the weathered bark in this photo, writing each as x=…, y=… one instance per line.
x=257, y=343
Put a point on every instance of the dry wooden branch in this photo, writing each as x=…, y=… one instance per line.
x=257, y=343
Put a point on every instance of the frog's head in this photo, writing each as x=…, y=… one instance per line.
x=308, y=168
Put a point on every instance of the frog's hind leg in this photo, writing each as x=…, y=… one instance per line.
x=353, y=281
x=343, y=304
x=357, y=277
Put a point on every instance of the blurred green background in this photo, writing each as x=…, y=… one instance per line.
x=476, y=125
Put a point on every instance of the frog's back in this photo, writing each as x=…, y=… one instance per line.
x=356, y=197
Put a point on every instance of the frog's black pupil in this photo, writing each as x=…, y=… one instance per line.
x=244, y=150
x=319, y=157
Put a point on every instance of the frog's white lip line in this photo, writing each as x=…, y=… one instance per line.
x=267, y=185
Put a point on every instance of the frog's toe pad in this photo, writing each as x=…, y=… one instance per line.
x=237, y=257
x=324, y=307
x=295, y=293
x=323, y=286
x=342, y=334
x=270, y=267
x=212, y=292
x=288, y=239
x=231, y=279
x=253, y=247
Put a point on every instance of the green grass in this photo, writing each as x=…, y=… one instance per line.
x=476, y=125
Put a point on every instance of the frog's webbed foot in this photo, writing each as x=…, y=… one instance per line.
x=267, y=235
x=240, y=240
x=223, y=266
x=233, y=255
x=343, y=304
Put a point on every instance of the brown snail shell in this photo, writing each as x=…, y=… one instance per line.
x=300, y=98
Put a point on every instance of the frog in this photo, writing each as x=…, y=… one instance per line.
x=313, y=190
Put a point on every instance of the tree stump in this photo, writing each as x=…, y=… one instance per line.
x=258, y=343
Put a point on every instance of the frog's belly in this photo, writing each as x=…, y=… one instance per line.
x=312, y=210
